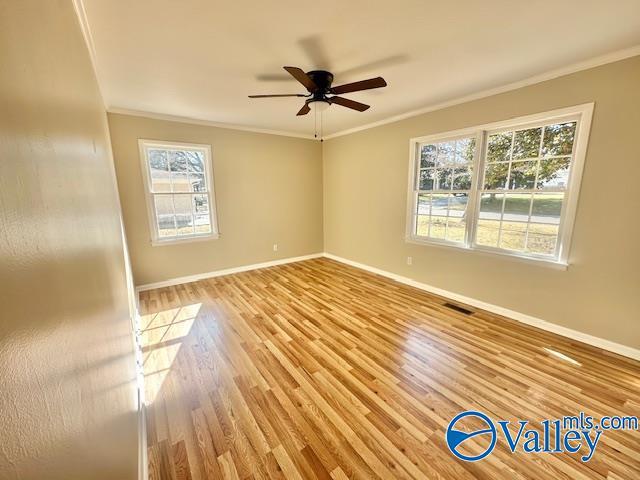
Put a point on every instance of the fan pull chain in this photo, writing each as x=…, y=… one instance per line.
x=315, y=125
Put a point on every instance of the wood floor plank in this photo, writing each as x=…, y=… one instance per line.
x=318, y=370
x=181, y=462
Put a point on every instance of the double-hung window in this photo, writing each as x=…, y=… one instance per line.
x=178, y=182
x=508, y=187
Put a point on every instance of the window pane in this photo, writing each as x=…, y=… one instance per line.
x=491, y=206
x=499, y=147
x=178, y=168
x=444, y=179
x=523, y=175
x=461, y=179
x=516, y=207
x=513, y=235
x=197, y=182
x=455, y=229
x=553, y=173
x=200, y=204
x=424, y=204
x=446, y=153
x=426, y=179
x=203, y=224
x=547, y=207
x=422, y=225
x=184, y=214
x=526, y=143
x=428, y=156
x=439, y=204
x=458, y=204
x=487, y=233
x=495, y=176
x=438, y=227
x=159, y=170
x=558, y=139
x=465, y=149
x=165, y=216
x=195, y=160
x=542, y=238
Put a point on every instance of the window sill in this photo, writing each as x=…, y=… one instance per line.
x=190, y=239
x=541, y=262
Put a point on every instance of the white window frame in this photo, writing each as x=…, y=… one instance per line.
x=156, y=240
x=582, y=114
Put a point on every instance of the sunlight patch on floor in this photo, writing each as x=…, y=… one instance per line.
x=161, y=341
x=562, y=356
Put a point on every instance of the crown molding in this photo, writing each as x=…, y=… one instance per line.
x=550, y=75
x=207, y=123
x=81, y=13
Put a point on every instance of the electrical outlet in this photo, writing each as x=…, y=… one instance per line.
x=275, y=247
x=409, y=260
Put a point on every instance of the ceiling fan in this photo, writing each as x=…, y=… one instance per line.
x=318, y=84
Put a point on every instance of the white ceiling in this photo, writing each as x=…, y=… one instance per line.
x=201, y=58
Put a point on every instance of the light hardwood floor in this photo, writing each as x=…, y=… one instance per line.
x=320, y=370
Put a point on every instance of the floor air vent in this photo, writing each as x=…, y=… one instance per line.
x=458, y=308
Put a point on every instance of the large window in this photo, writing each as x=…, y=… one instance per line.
x=508, y=187
x=178, y=183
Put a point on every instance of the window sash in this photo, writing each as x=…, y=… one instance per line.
x=176, y=214
x=467, y=134
x=580, y=114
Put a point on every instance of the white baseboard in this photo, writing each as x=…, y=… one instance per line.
x=143, y=462
x=608, y=345
x=227, y=271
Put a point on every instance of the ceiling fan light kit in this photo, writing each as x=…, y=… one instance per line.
x=318, y=84
x=319, y=105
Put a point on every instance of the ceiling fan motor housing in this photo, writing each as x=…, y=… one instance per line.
x=323, y=80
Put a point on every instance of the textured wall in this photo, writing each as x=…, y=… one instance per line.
x=67, y=377
x=268, y=190
x=365, y=193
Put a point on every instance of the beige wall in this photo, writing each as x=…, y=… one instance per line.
x=365, y=192
x=268, y=190
x=67, y=389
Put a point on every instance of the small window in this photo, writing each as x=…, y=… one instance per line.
x=179, y=188
x=508, y=187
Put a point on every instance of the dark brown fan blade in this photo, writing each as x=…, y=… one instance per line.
x=302, y=77
x=345, y=102
x=279, y=95
x=377, y=82
x=304, y=110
